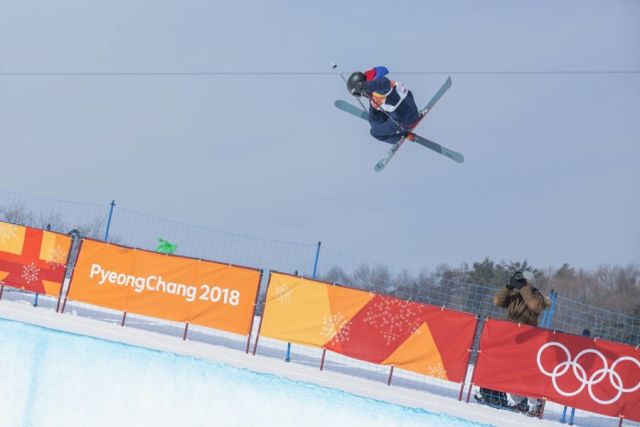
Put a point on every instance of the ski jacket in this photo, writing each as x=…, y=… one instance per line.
x=524, y=305
x=390, y=96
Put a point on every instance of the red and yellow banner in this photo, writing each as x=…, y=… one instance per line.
x=206, y=293
x=32, y=259
x=370, y=327
x=586, y=373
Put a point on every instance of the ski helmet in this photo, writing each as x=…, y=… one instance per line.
x=354, y=84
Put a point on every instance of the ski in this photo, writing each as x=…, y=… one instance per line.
x=380, y=165
x=443, y=89
x=453, y=155
x=383, y=162
x=351, y=109
x=425, y=142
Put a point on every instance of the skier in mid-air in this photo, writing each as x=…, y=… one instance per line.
x=392, y=111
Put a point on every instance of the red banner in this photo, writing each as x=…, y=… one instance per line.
x=406, y=334
x=376, y=328
x=32, y=259
x=595, y=375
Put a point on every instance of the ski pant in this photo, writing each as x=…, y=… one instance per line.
x=384, y=129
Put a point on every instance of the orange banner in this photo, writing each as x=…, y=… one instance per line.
x=32, y=259
x=206, y=293
x=366, y=326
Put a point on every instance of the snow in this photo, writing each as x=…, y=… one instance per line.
x=74, y=380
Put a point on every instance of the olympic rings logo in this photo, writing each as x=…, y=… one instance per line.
x=580, y=373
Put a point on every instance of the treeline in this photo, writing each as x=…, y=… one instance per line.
x=610, y=287
x=19, y=214
x=467, y=287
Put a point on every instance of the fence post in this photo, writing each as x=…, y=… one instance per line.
x=547, y=316
x=390, y=375
x=552, y=309
x=106, y=232
x=186, y=329
x=315, y=263
x=287, y=357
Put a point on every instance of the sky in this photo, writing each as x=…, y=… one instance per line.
x=551, y=172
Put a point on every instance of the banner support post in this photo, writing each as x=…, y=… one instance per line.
x=475, y=367
x=255, y=345
x=75, y=235
x=466, y=370
x=287, y=357
x=253, y=315
x=315, y=262
x=324, y=352
x=390, y=375
x=544, y=403
x=186, y=329
x=106, y=232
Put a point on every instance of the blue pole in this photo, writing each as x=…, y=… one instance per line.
x=573, y=413
x=106, y=232
x=35, y=303
x=315, y=263
x=552, y=311
x=547, y=316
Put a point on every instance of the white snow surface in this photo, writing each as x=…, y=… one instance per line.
x=198, y=406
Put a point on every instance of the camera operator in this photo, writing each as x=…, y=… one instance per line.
x=524, y=303
x=521, y=298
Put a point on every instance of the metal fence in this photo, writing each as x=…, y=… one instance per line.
x=111, y=222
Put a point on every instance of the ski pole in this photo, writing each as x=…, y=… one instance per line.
x=335, y=67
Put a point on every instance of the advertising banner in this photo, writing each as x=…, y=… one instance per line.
x=581, y=372
x=200, y=292
x=33, y=259
x=370, y=327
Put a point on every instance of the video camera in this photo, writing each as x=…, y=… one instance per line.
x=517, y=280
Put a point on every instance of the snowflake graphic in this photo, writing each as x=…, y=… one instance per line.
x=437, y=371
x=7, y=232
x=283, y=294
x=56, y=257
x=393, y=318
x=335, y=326
x=30, y=273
